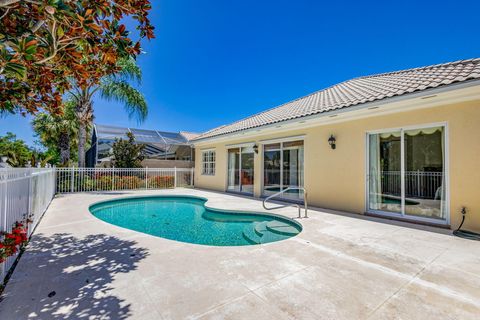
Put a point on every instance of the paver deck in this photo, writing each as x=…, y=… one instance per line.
x=341, y=266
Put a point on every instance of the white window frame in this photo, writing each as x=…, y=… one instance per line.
x=447, y=173
x=208, y=162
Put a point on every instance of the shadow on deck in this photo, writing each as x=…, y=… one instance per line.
x=64, y=277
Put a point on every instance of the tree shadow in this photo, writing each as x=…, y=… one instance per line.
x=65, y=277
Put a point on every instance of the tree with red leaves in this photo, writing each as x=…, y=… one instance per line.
x=46, y=46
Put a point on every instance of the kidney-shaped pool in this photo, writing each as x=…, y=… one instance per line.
x=186, y=219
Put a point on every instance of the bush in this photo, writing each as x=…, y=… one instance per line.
x=88, y=183
x=128, y=182
x=103, y=182
x=161, y=182
x=64, y=185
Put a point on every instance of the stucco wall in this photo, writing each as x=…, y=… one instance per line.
x=156, y=163
x=336, y=178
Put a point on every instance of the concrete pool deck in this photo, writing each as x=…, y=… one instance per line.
x=342, y=266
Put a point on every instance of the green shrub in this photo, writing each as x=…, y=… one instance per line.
x=103, y=183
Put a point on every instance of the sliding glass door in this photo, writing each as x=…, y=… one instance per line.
x=240, y=170
x=406, y=173
x=283, y=168
x=385, y=184
x=425, y=173
x=234, y=170
x=272, y=168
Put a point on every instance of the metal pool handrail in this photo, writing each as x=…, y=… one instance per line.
x=289, y=205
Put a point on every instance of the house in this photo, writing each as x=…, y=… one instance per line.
x=162, y=149
x=401, y=145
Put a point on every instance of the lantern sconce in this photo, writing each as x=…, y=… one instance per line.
x=332, y=141
x=255, y=148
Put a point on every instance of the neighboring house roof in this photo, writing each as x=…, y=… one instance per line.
x=358, y=91
x=189, y=135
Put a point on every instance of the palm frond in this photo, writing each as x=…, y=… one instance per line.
x=49, y=127
x=121, y=91
x=129, y=70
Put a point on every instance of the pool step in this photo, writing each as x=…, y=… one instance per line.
x=251, y=235
x=260, y=234
x=281, y=228
x=226, y=217
x=260, y=228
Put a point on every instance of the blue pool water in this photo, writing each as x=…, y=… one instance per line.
x=186, y=219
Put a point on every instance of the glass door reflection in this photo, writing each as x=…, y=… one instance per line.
x=292, y=169
x=384, y=172
x=246, y=170
x=425, y=173
x=283, y=165
x=271, y=168
x=234, y=170
x=240, y=170
x=407, y=173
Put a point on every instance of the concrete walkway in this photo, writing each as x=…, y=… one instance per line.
x=340, y=267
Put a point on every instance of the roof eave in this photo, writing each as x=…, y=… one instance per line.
x=366, y=105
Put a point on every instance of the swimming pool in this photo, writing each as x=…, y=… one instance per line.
x=186, y=219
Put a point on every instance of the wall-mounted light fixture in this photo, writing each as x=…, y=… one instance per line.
x=255, y=148
x=331, y=141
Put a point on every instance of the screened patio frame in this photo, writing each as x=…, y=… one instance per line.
x=162, y=145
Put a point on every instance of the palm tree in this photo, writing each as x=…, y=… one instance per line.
x=17, y=152
x=58, y=131
x=115, y=87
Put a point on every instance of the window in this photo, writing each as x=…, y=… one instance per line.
x=208, y=162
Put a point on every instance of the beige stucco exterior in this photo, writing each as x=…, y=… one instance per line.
x=335, y=179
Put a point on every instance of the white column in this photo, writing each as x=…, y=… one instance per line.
x=72, y=177
x=175, y=177
x=191, y=176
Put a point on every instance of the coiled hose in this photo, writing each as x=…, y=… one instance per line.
x=465, y=233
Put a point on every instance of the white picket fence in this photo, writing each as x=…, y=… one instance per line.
x=23, y=192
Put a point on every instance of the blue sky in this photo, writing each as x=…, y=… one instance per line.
x=214, y=62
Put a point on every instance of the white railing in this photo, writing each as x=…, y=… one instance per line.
x=418, y=184
x=305, y=202
x=23, y=193
x=112, y=179
x=28, y=192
